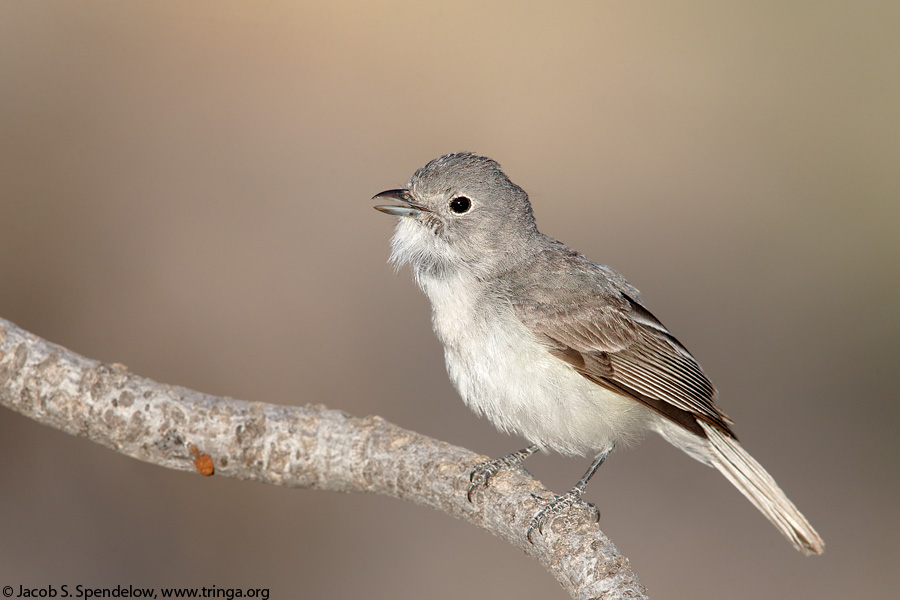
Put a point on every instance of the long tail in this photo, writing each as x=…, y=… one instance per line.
x=751, y=479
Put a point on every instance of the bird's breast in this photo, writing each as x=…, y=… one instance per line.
x=502, y=371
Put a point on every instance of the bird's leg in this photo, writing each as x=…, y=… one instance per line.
x=483, y=471
x=560, y=503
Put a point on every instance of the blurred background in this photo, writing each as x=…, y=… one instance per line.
x=185, y=188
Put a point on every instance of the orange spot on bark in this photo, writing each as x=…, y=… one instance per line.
x=203, y=462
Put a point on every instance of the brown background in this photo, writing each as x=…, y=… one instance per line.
x=185, y=188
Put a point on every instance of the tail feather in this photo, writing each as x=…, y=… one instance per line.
x=757, y=485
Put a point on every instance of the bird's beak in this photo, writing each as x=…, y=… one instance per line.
x=407, y=208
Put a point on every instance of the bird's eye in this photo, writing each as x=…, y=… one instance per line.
x=460, y=204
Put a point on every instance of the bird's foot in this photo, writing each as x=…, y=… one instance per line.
x=482, y=472
x=555, y=506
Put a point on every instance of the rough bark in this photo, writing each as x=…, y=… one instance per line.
x=310, y=447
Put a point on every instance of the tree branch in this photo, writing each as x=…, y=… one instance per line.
x=309, y=447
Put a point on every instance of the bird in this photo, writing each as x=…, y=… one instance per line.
x=554, y=348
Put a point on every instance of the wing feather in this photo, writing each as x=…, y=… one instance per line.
x=612, y=340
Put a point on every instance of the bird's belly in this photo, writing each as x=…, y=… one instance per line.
x=503, y=372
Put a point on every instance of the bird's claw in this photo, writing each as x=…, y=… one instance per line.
x=481, y=474
x=483, y=471
x=553, y=507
